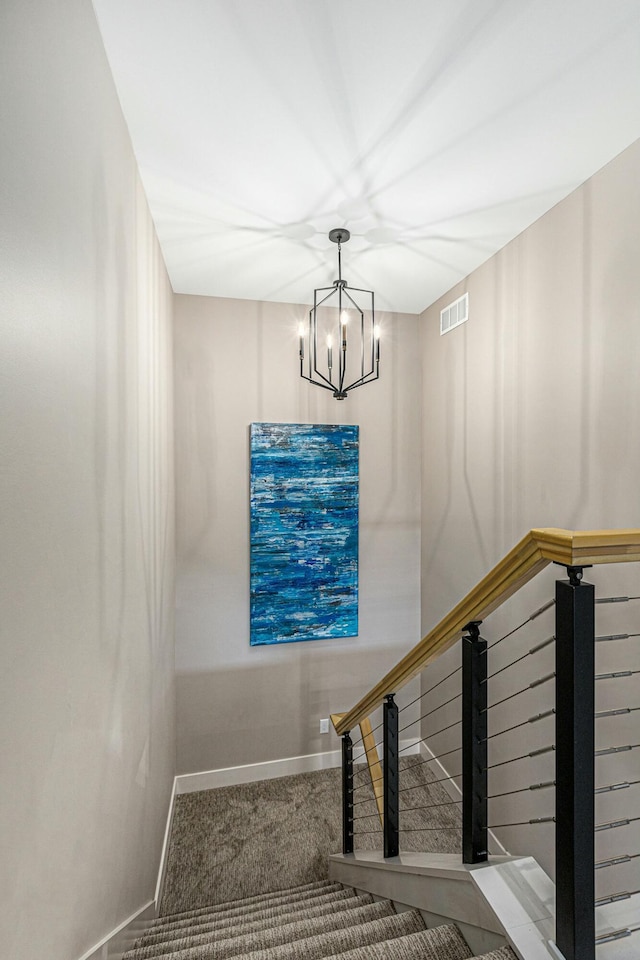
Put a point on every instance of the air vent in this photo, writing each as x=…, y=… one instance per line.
x=455, y=314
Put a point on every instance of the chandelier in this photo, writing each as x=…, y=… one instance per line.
x=340, y=346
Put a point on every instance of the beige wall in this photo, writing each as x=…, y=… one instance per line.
x=236, y=362
x=531, y=417
x=86, y=498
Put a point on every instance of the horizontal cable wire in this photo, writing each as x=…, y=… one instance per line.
x=538, y=716
x=366, y=800
x=534, y=786
x=522, y=823
x=356, y=740
x=437, y=755
x=357, y=746
x=430, y=806
x=620, y=711
x=492, y=766
x=614, y=824
x=425, y=829
x=377, y=747
x=607, y=751
x=534, y=615
x=616, y=676
x=437, y=733
x=427, y=692
x=362, y=785
x=363, y=756
x=360, y=762
x=616, y=935
x=617, y=786
x=365, y=750
x=372, y=731
x=364, y=833
x=616, y=599
x=425, y=715
x=616, y=636
x=616, y=861
x=523, y=756
x=424, y=806
x=430, y=783
x=419, y=764
x=616, y=897
x=530, y=686
x=529, y=653
x=365, y=784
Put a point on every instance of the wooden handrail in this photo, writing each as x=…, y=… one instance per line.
x=534, y=552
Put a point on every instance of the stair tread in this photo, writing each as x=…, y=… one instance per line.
x=150, y=945
x=300, y=889
x=273, y=936
x=220, y=919
x=437, y=943
x=337, y=942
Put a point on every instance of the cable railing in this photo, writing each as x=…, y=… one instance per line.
x=471, y=722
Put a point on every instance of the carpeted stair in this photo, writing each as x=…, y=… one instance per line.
x=309, y=922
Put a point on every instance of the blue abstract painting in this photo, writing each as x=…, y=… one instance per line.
x=304, y=532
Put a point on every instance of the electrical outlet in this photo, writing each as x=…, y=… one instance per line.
x=324, y=726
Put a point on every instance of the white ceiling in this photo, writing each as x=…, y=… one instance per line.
x=435, y=130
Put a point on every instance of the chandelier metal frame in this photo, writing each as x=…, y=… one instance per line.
x=341, y=293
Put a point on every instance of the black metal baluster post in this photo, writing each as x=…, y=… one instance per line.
x=474, y=745
x=575, y=777
x=391, y=796
x=347, y=794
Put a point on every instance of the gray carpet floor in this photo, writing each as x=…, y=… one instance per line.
x=259, y=837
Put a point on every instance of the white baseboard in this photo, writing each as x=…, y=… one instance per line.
x=269, y=770
x=116, y=943
x=248, y=772
x=455, y=791
x=162, y=869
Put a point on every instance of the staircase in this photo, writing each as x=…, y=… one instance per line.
x=316, y=920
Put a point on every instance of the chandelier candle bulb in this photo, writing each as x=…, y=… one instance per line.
x=329, y=353
x=301, y=335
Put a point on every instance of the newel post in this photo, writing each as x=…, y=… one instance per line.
x=575, y=776
x=474, y=745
